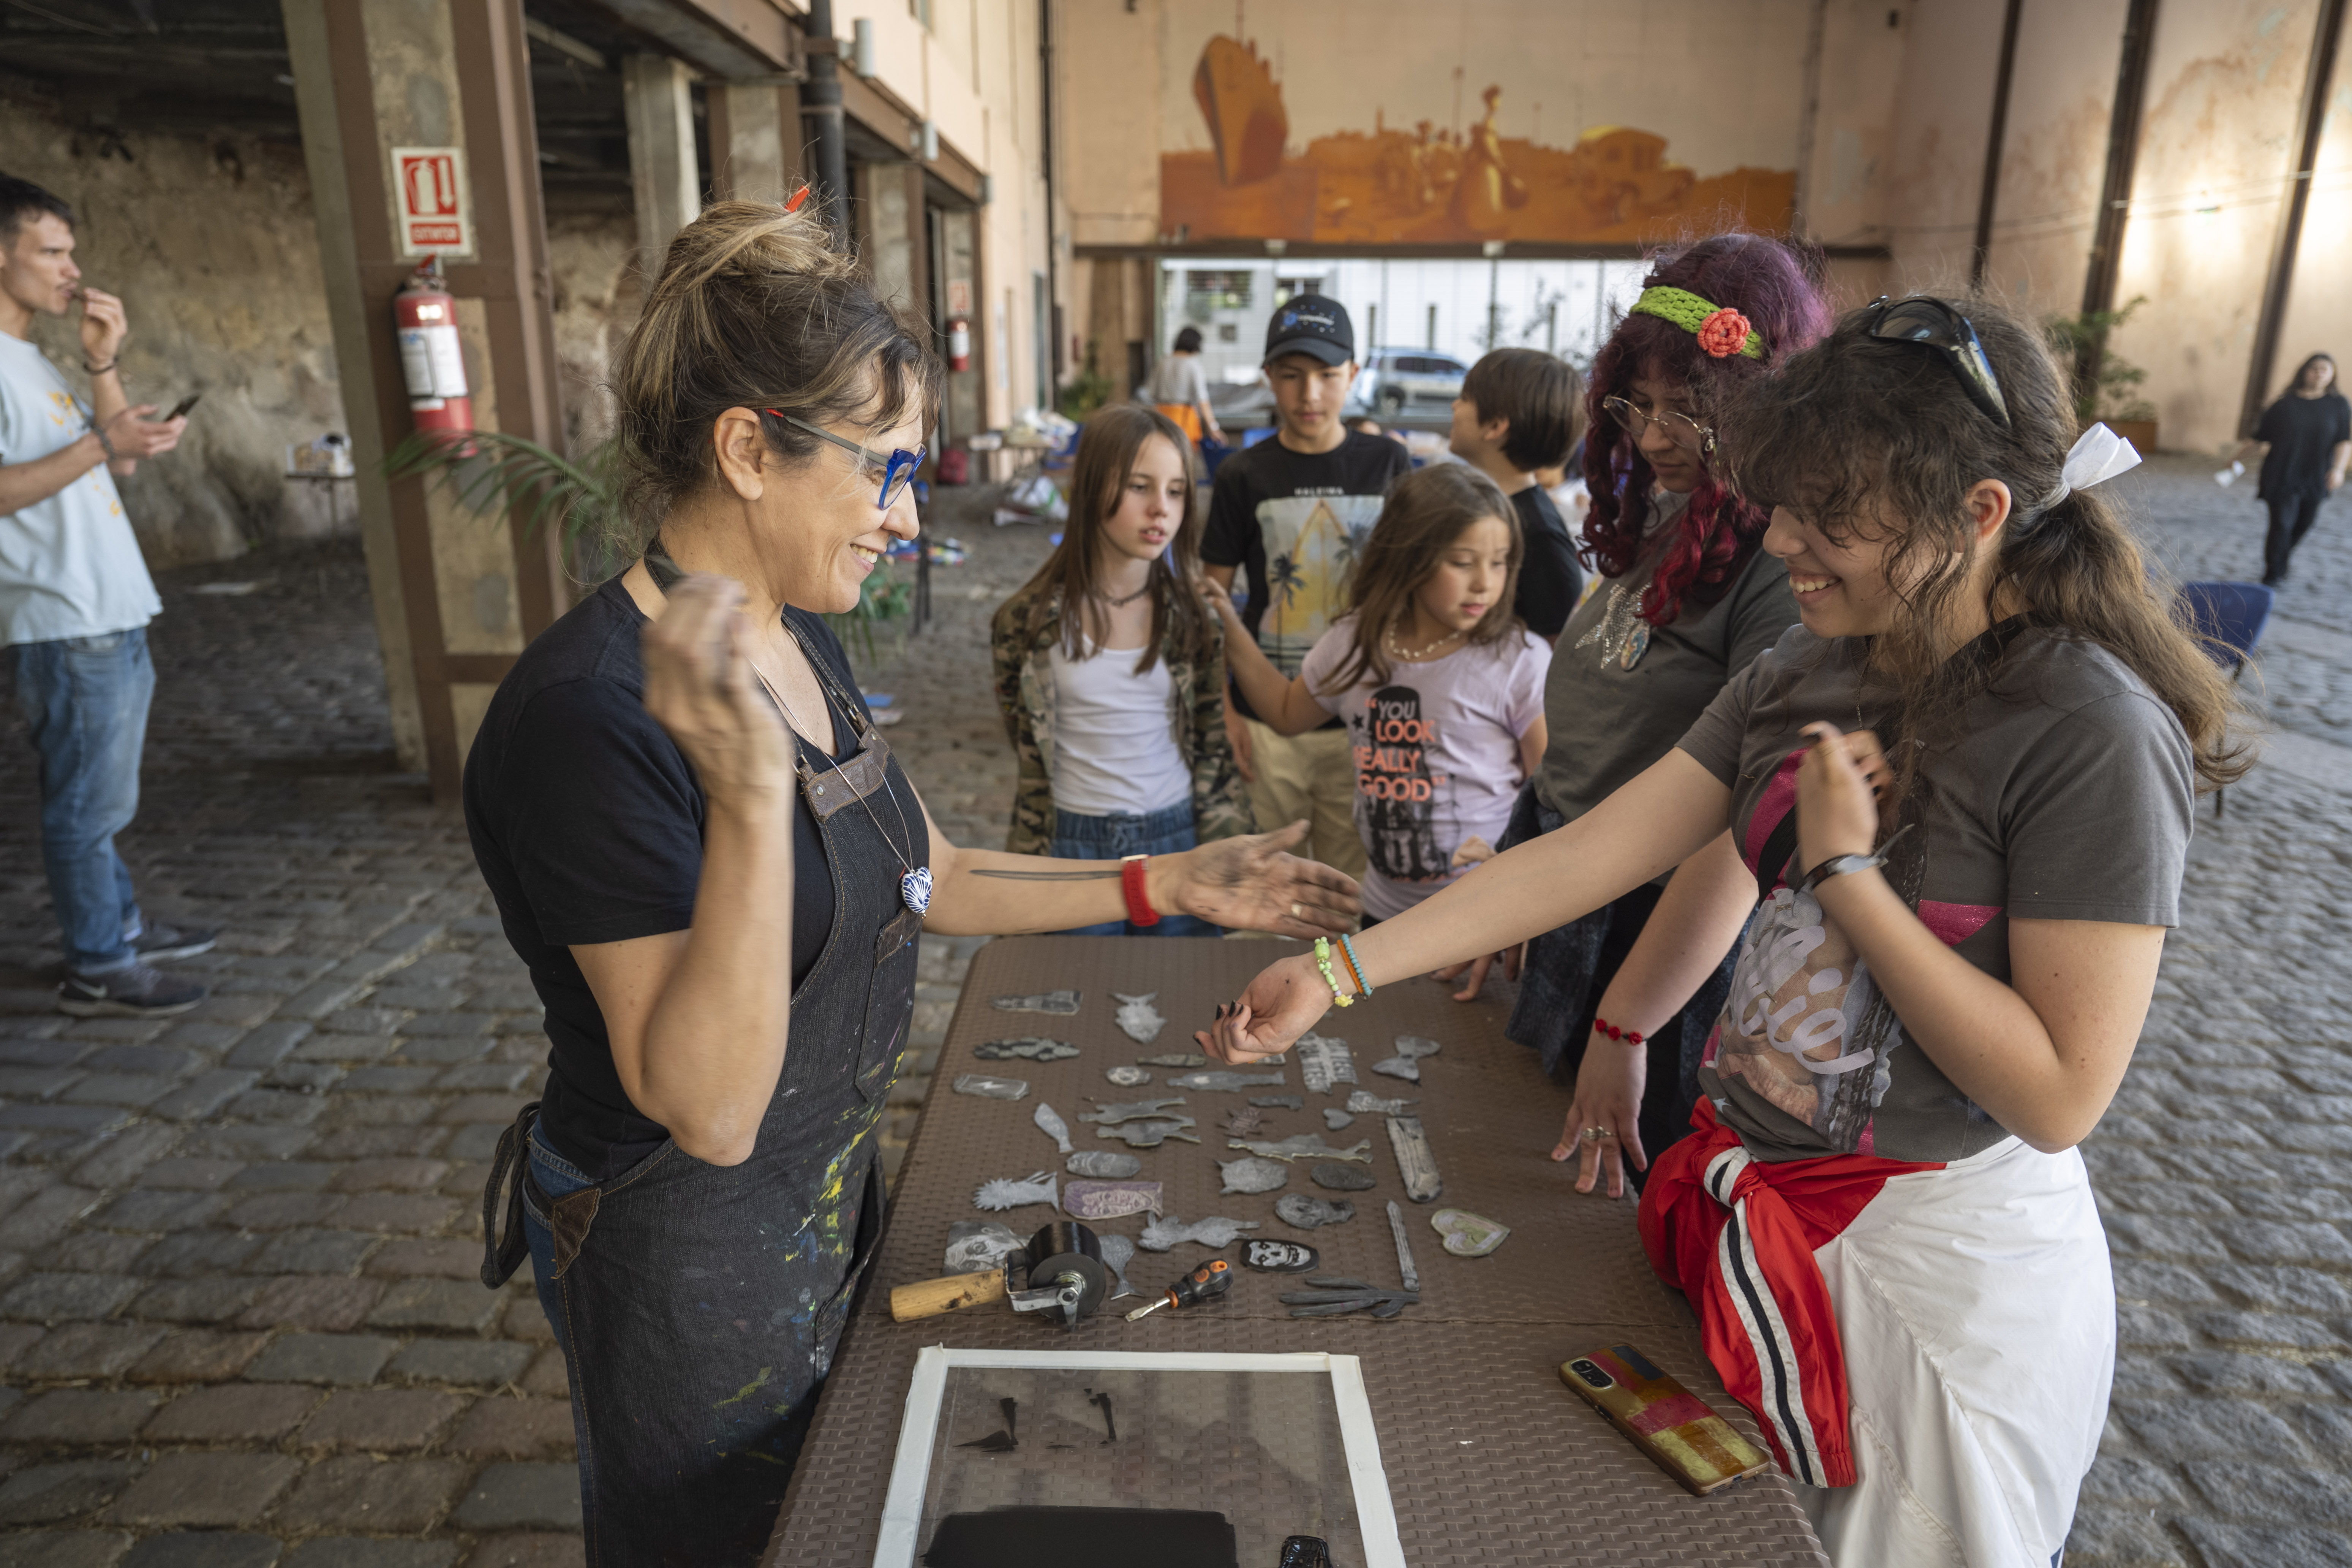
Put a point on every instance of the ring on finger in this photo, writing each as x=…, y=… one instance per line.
x=1597, y=1134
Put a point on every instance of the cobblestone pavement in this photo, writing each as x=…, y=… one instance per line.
x=239, y=1322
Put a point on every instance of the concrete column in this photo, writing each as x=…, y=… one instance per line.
x=755, y=143
x=891, y=234
x=659, y=94
x=457, y=594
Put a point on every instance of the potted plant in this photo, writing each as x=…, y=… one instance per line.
x=2111, y=394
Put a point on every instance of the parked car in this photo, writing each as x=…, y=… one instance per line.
x=1399, y=380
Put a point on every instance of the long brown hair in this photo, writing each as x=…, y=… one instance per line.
x=753, y=308
x=1426, y=511
x=1108, y=445
x=1874, y=439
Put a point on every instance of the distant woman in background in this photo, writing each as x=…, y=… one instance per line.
x=1178, y=388
x=1112, y=673
x=2309, y=432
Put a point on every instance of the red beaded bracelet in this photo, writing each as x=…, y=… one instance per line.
x=1603, y=1026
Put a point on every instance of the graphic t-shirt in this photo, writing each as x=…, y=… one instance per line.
x=69, y=564
x=1291, y=522
x=2303, y=433
x=1436, y=749
x=2070, y=796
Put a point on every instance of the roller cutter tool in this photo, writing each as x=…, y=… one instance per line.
x=1060, y=1275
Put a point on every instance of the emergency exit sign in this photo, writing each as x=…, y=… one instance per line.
x=430, y=201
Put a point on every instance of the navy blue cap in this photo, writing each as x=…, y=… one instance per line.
x=1311, y=324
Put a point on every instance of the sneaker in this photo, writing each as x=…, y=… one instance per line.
x=162, y=940
x=134, y=991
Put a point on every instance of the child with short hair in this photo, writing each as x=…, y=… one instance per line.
x=1519, y=413
x=1440, y=686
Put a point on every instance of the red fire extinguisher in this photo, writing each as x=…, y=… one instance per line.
x=431, y=359
x=958, y=343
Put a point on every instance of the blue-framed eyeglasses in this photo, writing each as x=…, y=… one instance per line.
x=898, y=469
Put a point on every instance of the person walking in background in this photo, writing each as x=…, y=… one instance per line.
x=1687, y=600
x=1178, y=388
x=75, y=601
x=2309, y=432
x=1111, y=673
x=1520, y=411
x=1293, y=512
x=1440, y=685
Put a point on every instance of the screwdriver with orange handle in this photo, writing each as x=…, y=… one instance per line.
x=1213, y=1278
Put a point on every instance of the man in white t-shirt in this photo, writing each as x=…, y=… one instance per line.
x=75, y=601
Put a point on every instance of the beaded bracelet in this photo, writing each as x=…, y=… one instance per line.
x=1603, y=1026
x=1323, y=962
x=1355, y=970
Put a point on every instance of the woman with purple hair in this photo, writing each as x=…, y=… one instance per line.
x=1685, y=601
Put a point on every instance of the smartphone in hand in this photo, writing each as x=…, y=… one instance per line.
x=182, y=407
x=1666, y=1420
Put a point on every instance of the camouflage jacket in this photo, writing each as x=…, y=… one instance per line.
x=1024, y=691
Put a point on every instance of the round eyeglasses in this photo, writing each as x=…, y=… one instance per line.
x=897, y=468
x=1681, y=429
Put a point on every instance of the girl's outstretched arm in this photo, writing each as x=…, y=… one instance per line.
x=1284, y=705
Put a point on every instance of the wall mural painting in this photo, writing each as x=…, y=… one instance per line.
x=1427, y=185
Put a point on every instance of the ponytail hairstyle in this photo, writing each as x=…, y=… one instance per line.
x=1109, y=442
x=1776, y=285
x=1871, y=439
x=753, y=308
x=1426, y=511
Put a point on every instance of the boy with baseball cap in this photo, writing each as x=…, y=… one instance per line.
x=1293, y=512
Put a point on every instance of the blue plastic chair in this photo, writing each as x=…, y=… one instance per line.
x=2229, y=617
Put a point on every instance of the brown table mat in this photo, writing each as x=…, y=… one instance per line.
x=1490, y=1461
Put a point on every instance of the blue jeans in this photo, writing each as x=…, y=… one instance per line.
x=85, y=700
x=1164, y=832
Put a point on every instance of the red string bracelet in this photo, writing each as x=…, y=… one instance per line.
x=1603, y=1026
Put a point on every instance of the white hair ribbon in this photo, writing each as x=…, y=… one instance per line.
x=2097, y=456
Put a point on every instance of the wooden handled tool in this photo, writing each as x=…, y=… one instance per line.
x=929, y=1298
x=1061, y=1270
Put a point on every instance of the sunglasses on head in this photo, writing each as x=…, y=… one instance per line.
x=897, y=468
x=1934, y=325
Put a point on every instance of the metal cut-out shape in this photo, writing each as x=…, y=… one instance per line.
x=1344, y=1178
x=1406, y=1063
x=1102, y=1164
x=1414, y=1160
x=1004, y=1193
x=1149, y=1134
x=1279, y=1102
x=1469, y=1234
x=1049, y=1122
x=1214, y=1232
x=977, y=1244
x=1127, y=1076
x=1305, y=1146
x=1312, y=1213
x=1174, y=1060
x=1334, y=1119
x=1224, y=1081
x=1280, y=1257
x=1244, y=1123
x=1363, y=1101
x=1253, y=1174
x=1130, y=1110
x=1027, y=1049
x=1118, y=1252
x=1323, y=1060
x=1137, y=1020
x=1062, y=1003
x=987, y=1087
x=1110, y=1200
x=1336, y=1294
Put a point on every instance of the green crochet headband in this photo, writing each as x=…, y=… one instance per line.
x=1720, y=330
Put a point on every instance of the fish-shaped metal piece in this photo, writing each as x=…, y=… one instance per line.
x=1137, y=1019
x=1222, y=1080
x=1149, y=1134
x=1127, y=1110
x=1310, y=1214
x=1414, y=1160
x=1253, y=1174
x=1406, y=1063
x=1049, y=1122
x=1004, y=1193
x=1323, y=1060
x=1279, y=1102
x=1027, y=1048
x=1167, y=1230
x=1063, y=1004
x=1364, y=1100
x=982, y=1084
x=1118, y=1252
x=1334, y=1119
x=1344, y=1178
x=1102, y=1164
x=1127, y=1076
x=1110, y=1200
x=1305, y=1146
x=1174, y=1060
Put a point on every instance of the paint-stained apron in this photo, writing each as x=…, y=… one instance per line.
x=697, y=1306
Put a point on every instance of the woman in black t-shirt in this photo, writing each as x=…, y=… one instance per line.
x=2309, y=432
x=716, y=873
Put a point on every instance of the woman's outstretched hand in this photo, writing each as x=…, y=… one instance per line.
x=699, y=688
x=1282, y=1003
x=1607, y=1095
x=1254, y=883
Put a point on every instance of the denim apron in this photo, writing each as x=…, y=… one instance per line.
x=697, y=1306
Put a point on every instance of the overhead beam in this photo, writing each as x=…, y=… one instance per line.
x=733, y=40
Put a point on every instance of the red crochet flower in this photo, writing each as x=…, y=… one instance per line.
x=1725, y=333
